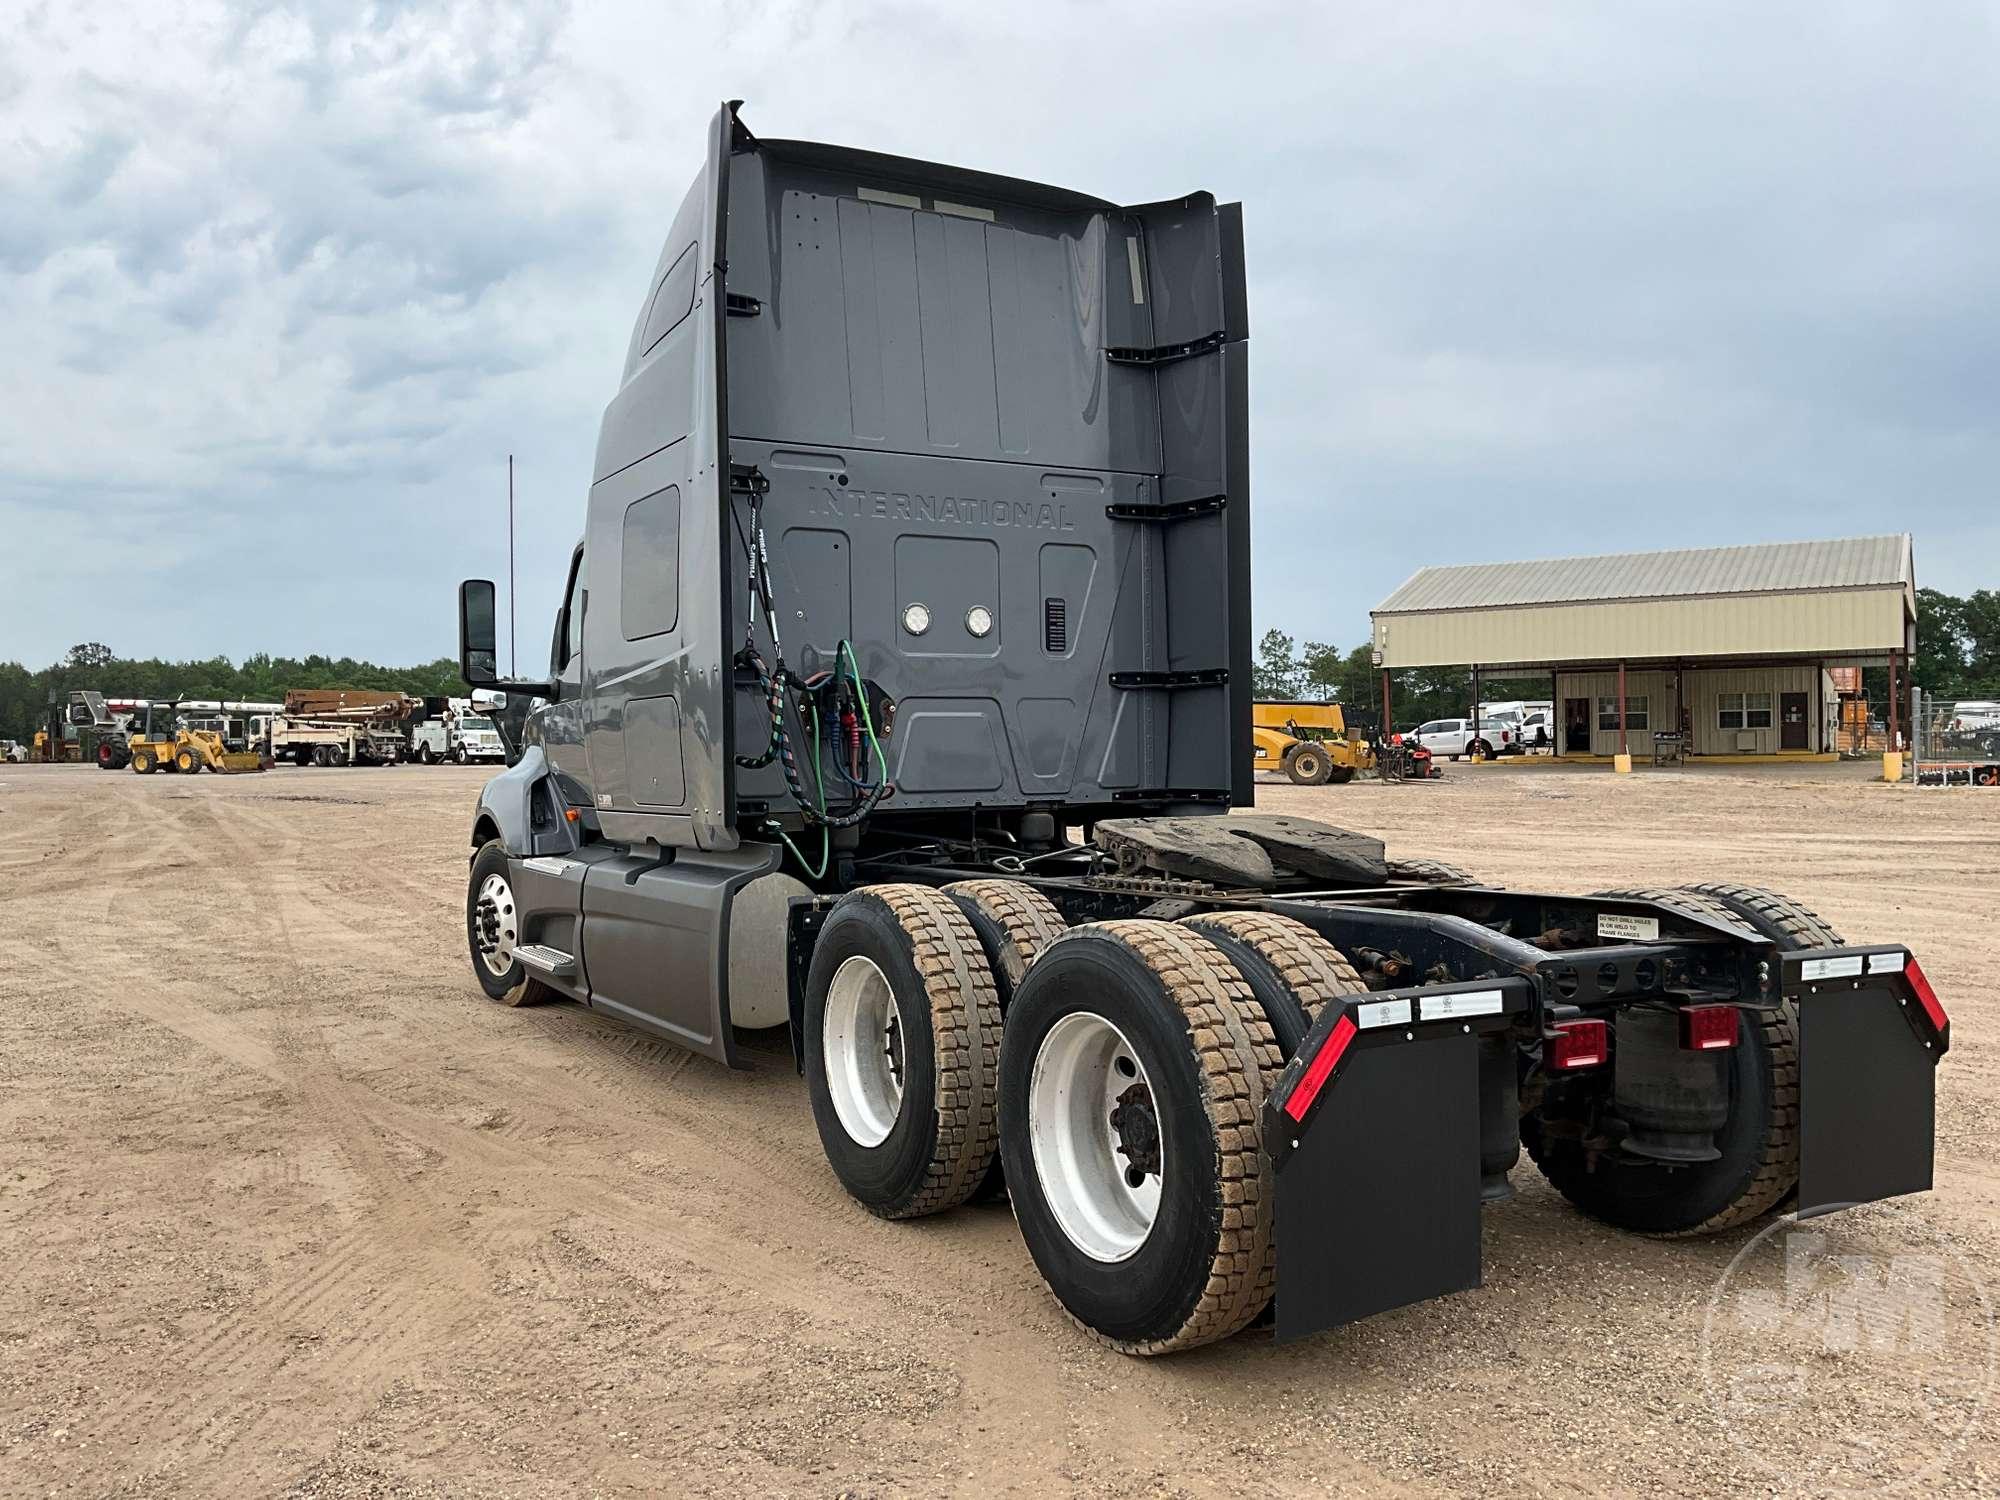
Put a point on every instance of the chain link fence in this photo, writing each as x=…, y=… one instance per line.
x=1954, y=743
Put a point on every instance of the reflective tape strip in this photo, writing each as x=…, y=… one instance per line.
x=1382, y=1013
x=1886, y=963
x=1831, y=968
x=1320, y=1068
x=1472, y=1003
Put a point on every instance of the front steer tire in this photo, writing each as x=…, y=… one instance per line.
x=1759, y=1166
x=514, y=985
x=940, y=1137
x=1204, y=1266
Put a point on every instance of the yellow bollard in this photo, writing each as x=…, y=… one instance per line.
x=1622, y=764
x=1892, y=765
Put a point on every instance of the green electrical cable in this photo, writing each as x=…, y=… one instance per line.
x=867, y=719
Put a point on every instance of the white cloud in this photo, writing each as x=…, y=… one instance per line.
x=282, y=284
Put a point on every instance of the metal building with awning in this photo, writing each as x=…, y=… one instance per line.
x=1729, y=647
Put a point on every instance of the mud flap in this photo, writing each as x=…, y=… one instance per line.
x=1870, y=1035
x=1374, y=1132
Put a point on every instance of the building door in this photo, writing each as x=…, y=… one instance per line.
x=1576, y=726
x=1792, y=722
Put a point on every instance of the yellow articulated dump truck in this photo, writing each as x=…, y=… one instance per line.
x=1309, y=742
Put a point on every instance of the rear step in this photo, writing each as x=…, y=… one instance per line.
x=545, y=960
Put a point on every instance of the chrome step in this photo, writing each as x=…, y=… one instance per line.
x=551, y=961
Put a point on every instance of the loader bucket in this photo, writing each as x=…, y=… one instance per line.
x=237, y=762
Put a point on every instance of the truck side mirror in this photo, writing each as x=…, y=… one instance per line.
x=478, y=651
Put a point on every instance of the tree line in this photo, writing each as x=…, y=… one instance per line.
x=1958, y=656
x=24, y=695
x=1318, y=672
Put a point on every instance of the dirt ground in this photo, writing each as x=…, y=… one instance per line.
x=288, y=1207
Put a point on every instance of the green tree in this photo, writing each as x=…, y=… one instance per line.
x=24, y=694
x=1979, y=618
x=1320, y=670
x=1277, y=671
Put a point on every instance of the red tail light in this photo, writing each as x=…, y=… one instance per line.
x=1705, y=1028
x=1321, y=1068
x=1926, y=996
x=1576, y=1044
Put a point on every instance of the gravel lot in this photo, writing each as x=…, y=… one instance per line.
x=288, y=1207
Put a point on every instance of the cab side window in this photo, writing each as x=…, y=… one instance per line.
x=579, y=597
x=568, y=645
x=672, y=302
x=649, y=569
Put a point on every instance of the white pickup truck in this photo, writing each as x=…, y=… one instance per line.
x=1457, y=737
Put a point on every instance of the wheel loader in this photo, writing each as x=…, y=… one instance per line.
x=900, y=697
x=1309, y=742
x=162, y=744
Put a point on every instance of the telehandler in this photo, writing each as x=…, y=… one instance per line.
x=1309, y=742
x=900, y=696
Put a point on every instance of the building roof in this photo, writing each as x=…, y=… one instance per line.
x=1767, y=568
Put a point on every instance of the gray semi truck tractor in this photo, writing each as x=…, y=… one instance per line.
x=900, y=696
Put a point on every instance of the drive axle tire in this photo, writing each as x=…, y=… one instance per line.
x=493, y=930
x=1292, y=971
x=1431, y=872
x=1307, y=765
x=901, y=1045
x=1132, y=1078
x=187, y=763
x=143, y=762
x=1759, y=1165
x=1014, y=923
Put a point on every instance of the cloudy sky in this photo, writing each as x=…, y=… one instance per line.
x=282, y=284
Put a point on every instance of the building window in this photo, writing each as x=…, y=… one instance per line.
x=1635, y=713
x=1742, y=710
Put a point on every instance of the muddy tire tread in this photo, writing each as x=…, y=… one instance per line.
x=1029, y=919
x=1431, y=872
x=1239, y=1063
x=965, y=1037
x=1316, y=971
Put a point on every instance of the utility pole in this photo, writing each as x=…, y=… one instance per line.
x=513, y=657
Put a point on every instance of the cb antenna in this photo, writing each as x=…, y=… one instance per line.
x=513, y=659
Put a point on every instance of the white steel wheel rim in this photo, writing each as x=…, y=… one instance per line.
x=1085, y=1076
x=499, y=928
x=861, y=1049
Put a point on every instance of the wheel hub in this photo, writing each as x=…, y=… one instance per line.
x=1094, y=1130
x=1138, y=1130
x=495, y=929
x=861, y=1049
